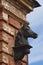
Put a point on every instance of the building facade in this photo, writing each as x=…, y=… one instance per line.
x=12, y=17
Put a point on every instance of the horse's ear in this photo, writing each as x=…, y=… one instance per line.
x=25, y=25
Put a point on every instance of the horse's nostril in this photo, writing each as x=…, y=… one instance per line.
x=35, y=36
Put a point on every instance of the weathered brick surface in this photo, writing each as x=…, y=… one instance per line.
x=7, y=37
x=0, y=13
x=25, y=58
x=14, y=22
x=8, y=31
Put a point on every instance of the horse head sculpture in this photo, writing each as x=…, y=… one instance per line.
x=22, y=46
x=27, y=32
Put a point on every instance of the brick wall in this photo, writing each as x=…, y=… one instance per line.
x=8, y=30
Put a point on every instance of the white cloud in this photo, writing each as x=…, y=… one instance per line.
x=36, y=54
x=36, y=16
x=37, y=50
x=40, y=1
x=37, y=58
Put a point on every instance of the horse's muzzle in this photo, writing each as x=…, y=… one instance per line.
x=35, y=35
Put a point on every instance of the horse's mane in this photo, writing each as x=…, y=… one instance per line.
x=20, y=39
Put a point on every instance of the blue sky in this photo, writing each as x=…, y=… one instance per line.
x=36, y=23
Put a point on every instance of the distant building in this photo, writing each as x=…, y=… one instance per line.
x=12, y=17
